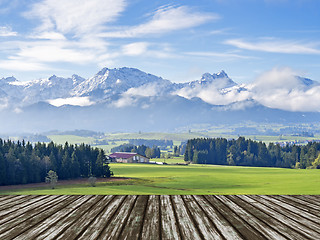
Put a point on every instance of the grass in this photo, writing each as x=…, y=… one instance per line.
x=195, y=179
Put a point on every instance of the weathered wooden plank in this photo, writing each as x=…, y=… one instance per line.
x=309, y=207
x=315, y=198
x=63, y=224
x=116, y=225
x=133, y=228
x=271, y=204
x=187, y=229
x=17, y=213
x=169, y=225
x=49, y=218
x=80, y=225
x=223, y=226
x=7, y=199
x=19, y=204
x=160, y=217
x=246, y=230
x=293, y=209
x=309, y=199
x=205, y=227
x=102, y=220
x=285, y=230
x=151, y=226
x=29, y=219
x=251, y=219
x=283, y=218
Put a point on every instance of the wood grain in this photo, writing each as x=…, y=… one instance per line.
x=160, y=217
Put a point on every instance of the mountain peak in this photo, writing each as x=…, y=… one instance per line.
x=220, y=79
x=53, y=77
x=208, y=76
x=77, y=79
x=222, y=73
x=307, y=82
x=8, y=79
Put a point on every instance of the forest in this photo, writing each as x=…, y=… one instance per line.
x=23, y=162
x=246, y=152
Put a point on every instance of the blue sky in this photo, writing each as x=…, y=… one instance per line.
x=177, y=40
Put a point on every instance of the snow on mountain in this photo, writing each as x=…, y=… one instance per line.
x=215, y=89
x=121, y=87
x=109, y=82
x=220, y=80
x=50, y=88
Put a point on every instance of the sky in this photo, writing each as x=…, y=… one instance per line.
x=177, y=40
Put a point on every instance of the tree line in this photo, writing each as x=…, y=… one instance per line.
x=153, y=152
x=23, y=162
x=246, y=152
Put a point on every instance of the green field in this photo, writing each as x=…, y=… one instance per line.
x=196, y=179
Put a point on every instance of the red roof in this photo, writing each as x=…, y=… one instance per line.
x=122, y=155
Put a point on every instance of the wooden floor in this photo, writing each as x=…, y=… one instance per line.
x=160, y=217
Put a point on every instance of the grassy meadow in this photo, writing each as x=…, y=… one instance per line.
x=194, y=179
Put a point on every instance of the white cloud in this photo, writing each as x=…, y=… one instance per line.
x=49, y=36
x=125, y=101
x=146, y=49
x=164, y=20
x=22, y=65
x=211, y=94
x=66, y=33
x=55, y=52
x=36, y=55
x=132, y=95
x=75, y=16
x=281, y=89
x=4, y=103
x=277, y=78
x=75, y=101
x=224, y=55
x=7, y=32
x=135, y=49
x=147, y=90
x=275, y=46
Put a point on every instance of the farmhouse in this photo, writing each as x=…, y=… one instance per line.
x=126, y=157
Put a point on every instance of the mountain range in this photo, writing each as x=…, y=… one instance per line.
x=127, y=99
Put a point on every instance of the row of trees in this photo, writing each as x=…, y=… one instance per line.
x=246, y=152
x=26, y=163
x=153, y=152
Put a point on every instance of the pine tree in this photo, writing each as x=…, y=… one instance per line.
x=75, y=165
x=3, y=170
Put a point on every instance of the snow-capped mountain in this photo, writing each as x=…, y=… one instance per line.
x=220, y=80
x=109, y=82
x=128, y=97
x=104, y=85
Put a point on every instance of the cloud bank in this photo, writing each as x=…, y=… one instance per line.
x=282, y=89
x=74, y=101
